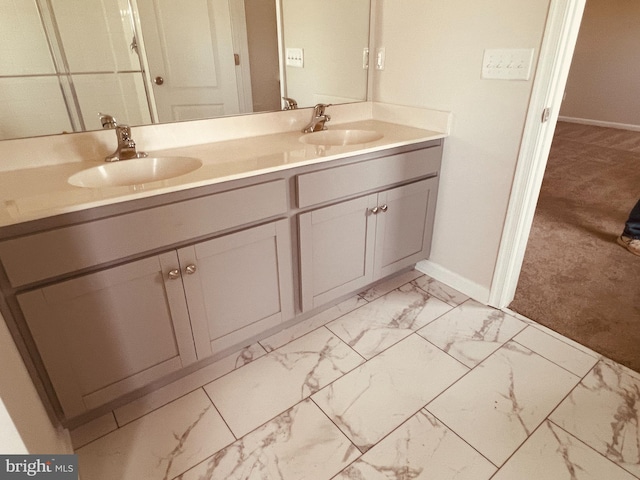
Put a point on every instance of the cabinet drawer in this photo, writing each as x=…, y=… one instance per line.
x=334, y=183
x=44, y=255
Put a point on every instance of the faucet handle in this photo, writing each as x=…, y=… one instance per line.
x=107, y=121
x=320, y=108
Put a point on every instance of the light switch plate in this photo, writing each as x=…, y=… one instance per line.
x=295, y=57
x=507, y=64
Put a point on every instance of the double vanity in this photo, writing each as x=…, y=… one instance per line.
x=136, y=273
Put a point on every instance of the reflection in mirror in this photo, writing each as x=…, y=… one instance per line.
x=148, y=61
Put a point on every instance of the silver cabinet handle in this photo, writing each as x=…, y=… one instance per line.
x=174, y=274
x=384, y=207
x=190, y=269
x=375, y=210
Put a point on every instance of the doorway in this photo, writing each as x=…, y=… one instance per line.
x=560, y=36
x=575, y=279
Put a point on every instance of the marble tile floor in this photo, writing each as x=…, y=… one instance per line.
x=408, y=380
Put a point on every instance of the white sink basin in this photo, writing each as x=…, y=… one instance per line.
x=340, y=137
x=134, y=172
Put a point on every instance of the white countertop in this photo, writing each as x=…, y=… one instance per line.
x=40, y=192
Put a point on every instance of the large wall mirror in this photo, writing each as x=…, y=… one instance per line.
x=63, y=62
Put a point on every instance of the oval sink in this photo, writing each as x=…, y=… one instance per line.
x=340, y=137
x=134, y=172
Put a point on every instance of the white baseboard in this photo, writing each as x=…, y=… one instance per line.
x=599, y=123
x=462, y=284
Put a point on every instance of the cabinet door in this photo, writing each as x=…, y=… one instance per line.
x=105, y=334
x=336, y=250
x=238, y=285
x=404, y=226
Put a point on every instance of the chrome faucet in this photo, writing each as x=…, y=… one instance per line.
x=289, y=103
x=126, y=146
x=319, y=119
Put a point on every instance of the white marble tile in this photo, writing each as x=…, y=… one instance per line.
x=388, y=319
x=92, y=430
x=502, y=401
x=374, y=399
x=552, y=333
x=298, y=330
x=163, y=395
x=604, y=412
x=626, y=370
x=421, y=448
x=554, y=349
x=472, y=331
x=300, y=443
x=384, y=287
x=249, y=397
x=440, y=290
x=163, y=444
x=552, y=454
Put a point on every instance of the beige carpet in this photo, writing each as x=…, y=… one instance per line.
x=576, y=279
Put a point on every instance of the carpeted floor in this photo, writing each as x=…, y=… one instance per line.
x=576, y=279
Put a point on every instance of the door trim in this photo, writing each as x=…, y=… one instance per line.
x=559, y=40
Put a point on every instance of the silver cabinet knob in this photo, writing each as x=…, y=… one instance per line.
x=174, y=274
x=375, y=210
x=384, y=207
x=190, y=269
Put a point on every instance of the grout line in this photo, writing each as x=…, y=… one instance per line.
x=223, y=419
x=548, y=359
x=520, y=446
x=592, y=448
x=154, y=409
x=425, y=408
x=341, y=432
x=572, y=390
x=101, y=436
x=546, y=330
x=306, y=397
x=316, y=328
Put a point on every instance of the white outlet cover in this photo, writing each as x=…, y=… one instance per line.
x=507, y=64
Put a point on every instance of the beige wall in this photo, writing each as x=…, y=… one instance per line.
x=433, y=59
x=24, y=424
x=604, y=81
x=333, y=34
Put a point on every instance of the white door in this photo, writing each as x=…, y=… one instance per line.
x=189, y=50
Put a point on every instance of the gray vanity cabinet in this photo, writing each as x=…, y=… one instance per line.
x=107, y=333
x=346, y=246
x=109, y=314
x=131, y=298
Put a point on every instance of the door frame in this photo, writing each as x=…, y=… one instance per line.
x=556, y=53
x=241, y=47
